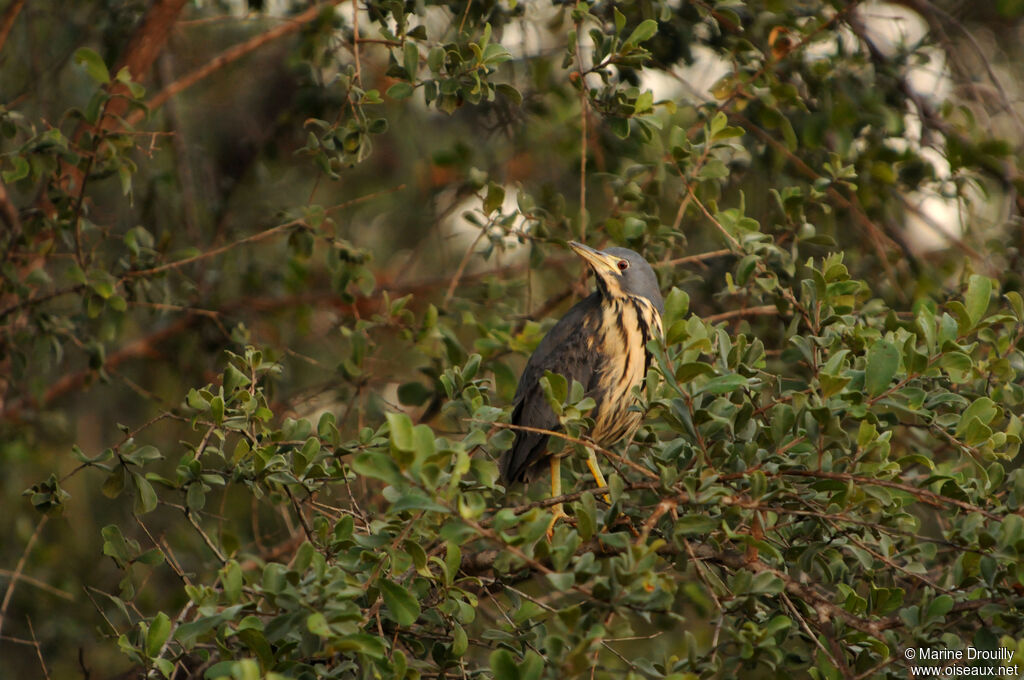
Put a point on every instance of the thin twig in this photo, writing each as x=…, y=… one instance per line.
x=259, y=236
x=574, y=440
x=923, y=495
x=39, y=650
x=763, y=310
x=7, y=21
x=230, y=55
x=583, y=132
x=42, y=585
x=206, y=539
x=690, y=259
x=461, y=269
x=20, y=568
x=355, y=43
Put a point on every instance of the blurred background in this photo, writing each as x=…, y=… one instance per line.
x=891, y=131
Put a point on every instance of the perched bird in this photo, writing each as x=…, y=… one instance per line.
x=601, y=343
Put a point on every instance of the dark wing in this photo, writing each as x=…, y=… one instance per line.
x=565, y=350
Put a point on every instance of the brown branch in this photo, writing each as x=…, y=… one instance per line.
x=461, y=269
x=590, y=445
x=7, y=21
x=879, y=239
x=9, y=593
x=259, y=236
x=581, y=79
x=148, y=41
x=9, y=213
x=924, y=495
x=481, y=562
x=39, y=649
x=230, y=55
x=140, y=53
x=763, y=310
x=42, y=585
x=690, y=259
x=143, y=347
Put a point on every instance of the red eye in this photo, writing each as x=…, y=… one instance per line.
x=623, y=265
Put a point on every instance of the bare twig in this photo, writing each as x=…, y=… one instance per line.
x=143, y=347
x=42, y=585
x=690, y=259
x=9, y=213
x=923, y=495
x=355, y=43
x=230, y=55
x=561, y=435
x=259, y=236
x=461, y=269
x=39, y=650
x=206, y=539
x=20, y=568
x=763, y=310
x=7, y=20
x=584, y=111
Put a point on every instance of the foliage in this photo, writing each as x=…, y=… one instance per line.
x=312, y=398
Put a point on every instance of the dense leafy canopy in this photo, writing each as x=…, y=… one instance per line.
x=268, y=279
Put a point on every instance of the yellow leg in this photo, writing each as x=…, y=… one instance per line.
x=556, y=490
x=596, y=471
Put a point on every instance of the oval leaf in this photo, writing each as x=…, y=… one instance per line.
x=403, y=606
x=883, y=361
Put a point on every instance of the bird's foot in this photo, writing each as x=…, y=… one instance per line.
x=557, y=513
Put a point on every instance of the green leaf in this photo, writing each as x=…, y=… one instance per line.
x=411, y=58
x=93, y=64
x=644, y=31
x=940, y=606
x=883, y=362
x=145, y=496
x=693, y=369
x=495, y=197
x=20, y=170
x=677, y=304
x=114, y=545
x=370, y=645
x=231, y=581
x=401, y=431
x=414, y=394
x=958, y=365
x=435, y=58
x=976, y=299
x=719, y=123
x=562, y=581
x=423, y=441
x=233, y=379
x=159, y=631
x=620, y=20
x=415, y=500
x=400, y=90
x=316, y=623
x=693, y=524
x=400, y=602
x=723, y=384
x=503, y=666
x=1016, y=304
x=378, y=465
x=510, y=93
x=113, y=486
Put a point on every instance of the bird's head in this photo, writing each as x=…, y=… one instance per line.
x=622, y=272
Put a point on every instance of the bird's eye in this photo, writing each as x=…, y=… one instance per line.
x=623, y=265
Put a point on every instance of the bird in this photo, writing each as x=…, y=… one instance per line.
x=601, y=342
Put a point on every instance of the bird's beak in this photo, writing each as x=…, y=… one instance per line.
x=602, y=263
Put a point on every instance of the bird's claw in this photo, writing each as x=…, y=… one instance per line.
x=557, y=513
